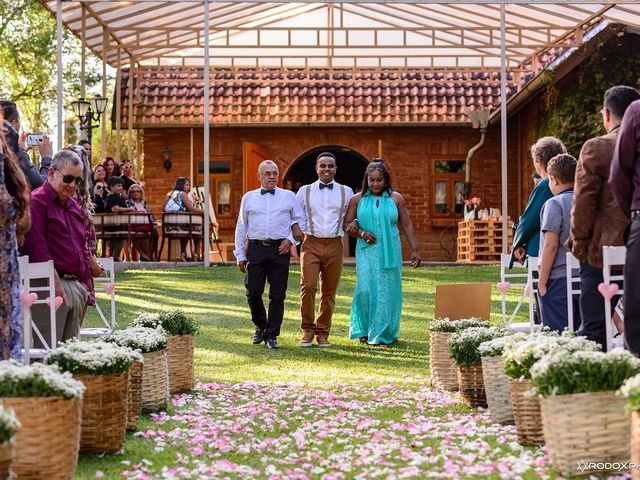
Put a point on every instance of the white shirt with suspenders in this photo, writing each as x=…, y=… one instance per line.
x=325, y=208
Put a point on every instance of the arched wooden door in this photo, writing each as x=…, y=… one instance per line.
x=252, y=156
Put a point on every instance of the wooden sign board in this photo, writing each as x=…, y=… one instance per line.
x=463, y=300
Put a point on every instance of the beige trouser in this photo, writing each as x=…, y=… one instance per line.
x=68, y=317
x=320, y=258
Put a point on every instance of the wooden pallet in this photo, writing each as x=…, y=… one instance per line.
x=480, y=241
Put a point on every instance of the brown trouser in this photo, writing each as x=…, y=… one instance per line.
x=319, y=258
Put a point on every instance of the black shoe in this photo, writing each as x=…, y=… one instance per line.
x=258, y=337
x=271, y=343
x=364, y=340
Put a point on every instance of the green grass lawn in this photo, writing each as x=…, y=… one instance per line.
x=224, y=354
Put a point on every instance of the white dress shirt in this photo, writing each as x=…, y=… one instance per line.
x=327, y=209
x=267, y=217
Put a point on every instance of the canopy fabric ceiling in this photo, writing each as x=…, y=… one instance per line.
x=407, y=35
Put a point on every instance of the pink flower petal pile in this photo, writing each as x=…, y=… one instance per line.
x=299, y=432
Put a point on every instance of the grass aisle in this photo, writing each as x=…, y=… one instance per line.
x=349, y=411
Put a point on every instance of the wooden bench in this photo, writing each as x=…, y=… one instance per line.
x=124, y=226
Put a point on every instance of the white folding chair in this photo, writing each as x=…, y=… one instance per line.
x=532, y=279
x=517, y=277
x=612, y=257
x=107, y=278
x=37, y=273
x=572, y=264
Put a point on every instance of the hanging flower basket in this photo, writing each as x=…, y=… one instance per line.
x=444, y=373
x=586, y=427
x=152, y=343
x=48, y=405
x=102, y=368
x=134, y=395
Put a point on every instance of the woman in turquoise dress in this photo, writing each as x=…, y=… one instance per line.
x=373, y=216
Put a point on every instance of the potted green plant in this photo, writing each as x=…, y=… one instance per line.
x=496, y=381
x=582, y=417
x=518, y=357
x=9, y=425
x=463, y=346
x=444, y=373
x=152, y=343
x=48, y=404
x=102, y=368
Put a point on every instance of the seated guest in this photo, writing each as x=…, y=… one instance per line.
x=127, y=174
x=116, y=203
x=99, y=174
x=99, y=197
x=58, y=233
x=16, y=141
x=136, y=201
x=179, y=201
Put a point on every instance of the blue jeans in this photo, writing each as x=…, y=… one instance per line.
x=553, y=306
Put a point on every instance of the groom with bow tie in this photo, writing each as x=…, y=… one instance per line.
x=268, y=216
x=324, y=203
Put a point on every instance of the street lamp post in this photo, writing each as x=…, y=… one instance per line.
x=89, y=112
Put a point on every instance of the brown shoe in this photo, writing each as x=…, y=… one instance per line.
x=323, y=341
x=307, y=338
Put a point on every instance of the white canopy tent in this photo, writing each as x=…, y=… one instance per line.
x=508, y=37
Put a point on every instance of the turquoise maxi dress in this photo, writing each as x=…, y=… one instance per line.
x=377, y=300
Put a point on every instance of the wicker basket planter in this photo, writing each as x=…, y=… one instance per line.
x=134, y=395
x=526, y=413
x=444, y=373
x=180, y=363
x=471, y=384
x=155, y=380
x=104, y=412
x=496, y=385
x=47, y=444
x=7, y=452
x=586, y=426
x=635, y=444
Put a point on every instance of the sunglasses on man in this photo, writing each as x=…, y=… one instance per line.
x=69, y=178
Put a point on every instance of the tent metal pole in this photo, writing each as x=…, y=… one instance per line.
x=207, y=197
x=503, y=125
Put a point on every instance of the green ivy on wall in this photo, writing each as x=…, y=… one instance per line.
x=572, y=107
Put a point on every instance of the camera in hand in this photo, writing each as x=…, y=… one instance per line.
x=33, y=139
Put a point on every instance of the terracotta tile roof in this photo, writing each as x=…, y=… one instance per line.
x=243, y=97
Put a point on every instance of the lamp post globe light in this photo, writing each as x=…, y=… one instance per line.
x=89, y=112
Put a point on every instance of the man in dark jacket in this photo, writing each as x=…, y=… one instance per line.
x=625, y=172
x=12, y=121
x=596, y=218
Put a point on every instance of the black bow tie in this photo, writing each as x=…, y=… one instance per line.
x=327, y=185
x=263, y=191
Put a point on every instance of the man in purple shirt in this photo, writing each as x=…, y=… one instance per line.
x=625, y=185
x=58, y=233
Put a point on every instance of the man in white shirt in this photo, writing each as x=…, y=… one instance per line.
x=324, y=203
x=263, y=238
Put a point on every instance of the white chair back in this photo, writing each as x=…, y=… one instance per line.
x=517, y=277
x=612, y=257
x=23, y=267
x=573, y=286
x=107, y=278
x=43, y=271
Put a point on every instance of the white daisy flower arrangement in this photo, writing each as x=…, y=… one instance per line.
x=566, y=372
x=495, y=347
x=520, y=355
x=92, y=358
x=451, y=326
x=630, y=390
x=464, y=344
x=37, y=380
x=9, y=424
x=142, y=339
x=147, y=320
